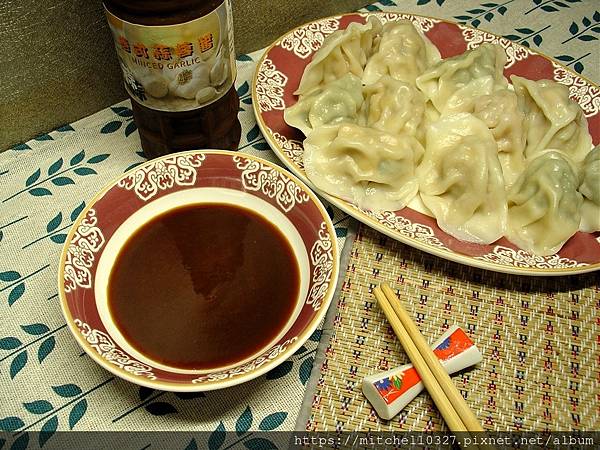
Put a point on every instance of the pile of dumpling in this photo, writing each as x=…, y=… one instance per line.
x=385, y=119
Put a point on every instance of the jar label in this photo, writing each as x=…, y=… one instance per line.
x=177, y=67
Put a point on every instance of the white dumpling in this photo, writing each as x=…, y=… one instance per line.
x=460, y=179
x=500, y=112
x=544, y=205
x=335, y=102
x=343, y=51
x=373, y=169
x=552, y=119
x=454, y=83
x=590, y=188
x=393, y=106
x=431, y=115
x=403, y=54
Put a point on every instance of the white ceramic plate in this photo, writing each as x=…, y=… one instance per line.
x=278, y=75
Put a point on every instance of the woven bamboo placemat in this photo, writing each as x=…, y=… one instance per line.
x=539, y=338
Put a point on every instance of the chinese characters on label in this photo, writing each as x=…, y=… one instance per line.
x=177, y=67
x=162, y=52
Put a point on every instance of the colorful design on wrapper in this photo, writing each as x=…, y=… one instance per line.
x=256, y=363
x=414, y=230
x=587, y=95
x=522, y=258
x=392, y=387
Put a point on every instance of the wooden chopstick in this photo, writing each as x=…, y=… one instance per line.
x=448, y=412
x=451, y=404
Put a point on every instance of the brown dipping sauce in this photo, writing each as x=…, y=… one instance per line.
x=203, y=286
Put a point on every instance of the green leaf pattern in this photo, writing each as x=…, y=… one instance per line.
x=111, y=127
x=305, y=369
x=35, y=329
x=55, y=226
x=9, y=343
x=49, y=414
x=21, y=442
x=67, y=390
x=83, y=171
x=244, y=422
x=77, y=211
x=38, y=407
x=46, y=348
x=62, y=181
x=77, y=158
x=18, y=363
x=280, y=371
x=77, y=413
x=19, y=350
x=40, y=192
x=272, y=421
x=587, y=31
x=217, y=437
x=16, y=293
x=58, y=175
x=124, y=117
x=11, y=423
x=54, y=223
x=55, y=167
x=192, y=445
x=9, y=275
x=33, y=177
x=13, y=281
x=244, y=431
x=487, y=11
x=48, y=430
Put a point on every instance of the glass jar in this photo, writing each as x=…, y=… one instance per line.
x=178, y=63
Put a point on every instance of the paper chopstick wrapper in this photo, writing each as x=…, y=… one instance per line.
x=389, y=392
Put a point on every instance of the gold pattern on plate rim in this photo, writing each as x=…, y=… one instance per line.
x=189, y=386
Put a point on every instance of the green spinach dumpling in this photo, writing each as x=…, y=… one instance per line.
x=373, y=169
x=590, y=188
x=544, y=205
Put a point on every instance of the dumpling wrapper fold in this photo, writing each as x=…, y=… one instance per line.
x=461, y=181
x=373, y=169
x=590, y=188
x=544, y=205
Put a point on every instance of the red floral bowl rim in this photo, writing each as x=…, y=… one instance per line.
x=209, y=384
x=376, y=223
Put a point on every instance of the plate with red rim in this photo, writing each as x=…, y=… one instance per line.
x=279, y=72
x=183, y=179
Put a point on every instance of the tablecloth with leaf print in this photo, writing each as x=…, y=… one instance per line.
x=48, y=383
